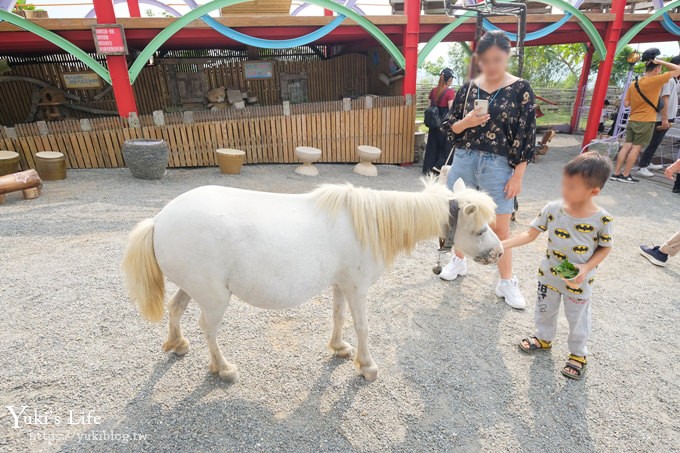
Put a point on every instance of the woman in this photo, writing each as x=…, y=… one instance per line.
x=492, y=150
x=438, y=147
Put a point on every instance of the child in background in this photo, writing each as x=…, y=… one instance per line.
x=580, y=231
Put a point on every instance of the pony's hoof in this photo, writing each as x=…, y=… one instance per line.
x=180, y=346
x=345, y=350
x=227, y=374
x=370, y=373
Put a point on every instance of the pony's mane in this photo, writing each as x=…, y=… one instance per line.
x=390, y=222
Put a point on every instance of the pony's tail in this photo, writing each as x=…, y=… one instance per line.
x=143, y=277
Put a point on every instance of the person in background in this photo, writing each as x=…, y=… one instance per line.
x=492, y=150
x=603, y=117
x=659, y=255
x=664, y=118
x=642, y=119
x=438, y=146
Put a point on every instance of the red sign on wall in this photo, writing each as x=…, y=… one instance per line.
x=109, y=39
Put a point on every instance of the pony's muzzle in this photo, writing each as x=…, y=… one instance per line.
x=491, y=257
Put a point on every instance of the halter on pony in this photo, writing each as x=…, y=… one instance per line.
x=446, y=242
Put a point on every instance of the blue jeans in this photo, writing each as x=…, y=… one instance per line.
x=484, y=171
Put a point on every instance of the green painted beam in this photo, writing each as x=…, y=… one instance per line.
x=58, y=41
x=637, y=28
x=183, y=21
x=441, y=34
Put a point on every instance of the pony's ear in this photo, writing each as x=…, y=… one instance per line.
x=470, y=208
x=459, y=185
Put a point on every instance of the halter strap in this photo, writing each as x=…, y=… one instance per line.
x=447, y=243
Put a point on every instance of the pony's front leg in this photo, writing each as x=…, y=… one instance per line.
x=363, y=359
x=176, y=341
x=340, y=348
x=209, y=321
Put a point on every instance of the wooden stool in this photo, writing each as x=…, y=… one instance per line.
x=367, y=154
x=51, y=165
x=9, y=162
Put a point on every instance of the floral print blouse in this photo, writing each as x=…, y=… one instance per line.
x=511, y=131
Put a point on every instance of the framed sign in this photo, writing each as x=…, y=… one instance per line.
x=109, y=39
x=258, y=69
x=83, y=80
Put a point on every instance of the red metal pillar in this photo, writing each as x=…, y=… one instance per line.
x=133, y=8
x=604, y=70
x=582, y=82
x=411, y=38
x=120, y=79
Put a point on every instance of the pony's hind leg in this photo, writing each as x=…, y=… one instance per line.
x=209, y=321
x=340, y=347
x=363, y=359
x=176, y=341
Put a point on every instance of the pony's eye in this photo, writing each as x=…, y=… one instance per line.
x=481, y=232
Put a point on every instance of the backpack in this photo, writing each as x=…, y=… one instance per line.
x=432, y=118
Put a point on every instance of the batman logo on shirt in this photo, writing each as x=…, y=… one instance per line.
x=560, y=233
x=553, y=271
x=584, y=228
x=541, y=227
x=605, y=238
x=591, y=280
x=551, y=217
x=540, y=272
x=595, y=239
x=606, y=219
x=574, y=290
x=552, y=288
x=559, y=255
x=580, y=249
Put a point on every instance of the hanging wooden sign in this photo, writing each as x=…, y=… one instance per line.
x=82, y=80
x=258, y=69
x=109, y=39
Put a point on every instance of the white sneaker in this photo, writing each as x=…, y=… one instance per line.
x=654, y=167
x=645, y=172
x=455, y=268
x=509, y=290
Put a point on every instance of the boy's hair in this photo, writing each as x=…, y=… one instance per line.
x=594, y=168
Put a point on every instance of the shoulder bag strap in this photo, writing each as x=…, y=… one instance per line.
x=637, y=87
x=467, y=95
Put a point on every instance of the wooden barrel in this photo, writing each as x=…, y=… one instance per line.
x=9, y=162
x=230, y=160
x=51, y=165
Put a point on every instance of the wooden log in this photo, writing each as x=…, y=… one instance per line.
x=27, y=181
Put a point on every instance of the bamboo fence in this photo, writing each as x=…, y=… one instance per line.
x=268, y=134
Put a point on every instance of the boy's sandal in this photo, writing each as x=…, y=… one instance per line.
x=535, y=344
x=577, y=364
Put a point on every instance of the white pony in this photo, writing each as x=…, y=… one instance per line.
x=276, y=251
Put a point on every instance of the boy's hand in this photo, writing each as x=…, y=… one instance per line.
x=582, y=272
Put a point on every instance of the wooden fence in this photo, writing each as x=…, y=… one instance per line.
x=267, y=134
x=332, y=79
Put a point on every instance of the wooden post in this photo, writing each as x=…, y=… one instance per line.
x=117, y=64
x=604, y=71
x=411, y=38
x=580, y=92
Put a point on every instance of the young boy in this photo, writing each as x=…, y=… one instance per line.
x=580, y=231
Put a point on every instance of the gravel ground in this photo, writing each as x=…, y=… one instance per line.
x=451, y=376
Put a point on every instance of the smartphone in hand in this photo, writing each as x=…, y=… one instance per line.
x=481, y=107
